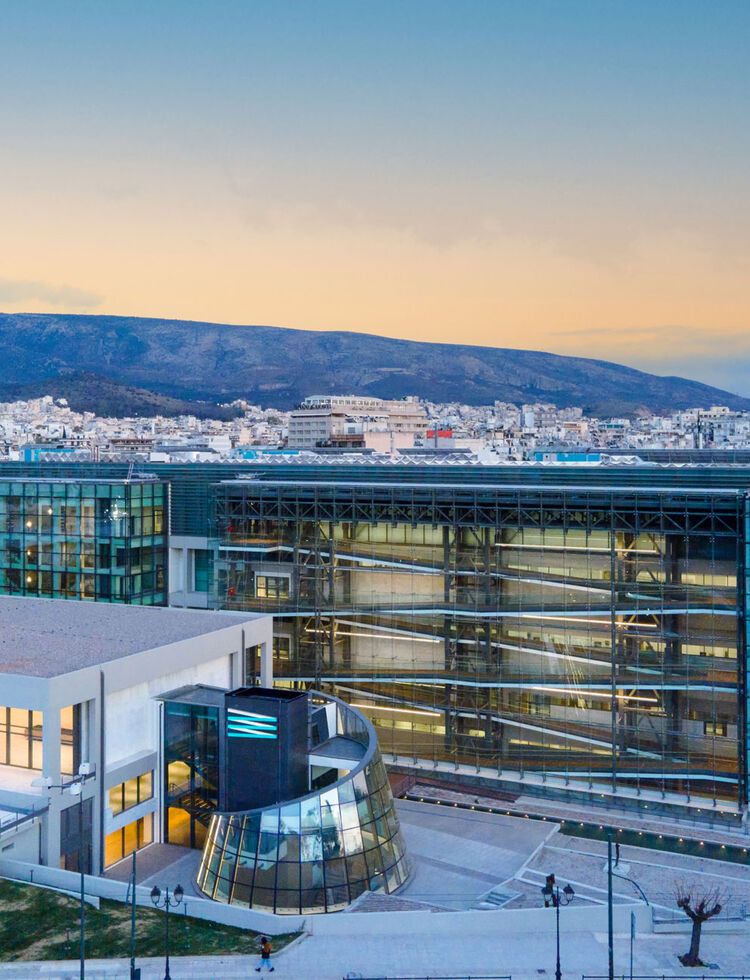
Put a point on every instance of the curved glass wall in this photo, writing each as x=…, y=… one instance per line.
x=314, y=854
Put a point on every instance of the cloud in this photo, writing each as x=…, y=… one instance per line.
x=35, y=291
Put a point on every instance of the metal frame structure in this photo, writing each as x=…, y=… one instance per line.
x=296, y=520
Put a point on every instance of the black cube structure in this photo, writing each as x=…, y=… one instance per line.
x=265, y=747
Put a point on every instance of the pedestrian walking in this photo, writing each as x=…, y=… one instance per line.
x=265, y=955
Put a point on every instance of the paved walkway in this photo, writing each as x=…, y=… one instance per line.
x=524, y=957
x=459, y=855
x=165, y=865
x=560, y=811
x=657, y=872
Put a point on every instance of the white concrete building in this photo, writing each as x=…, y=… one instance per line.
x=79, y=693
x=328, y=419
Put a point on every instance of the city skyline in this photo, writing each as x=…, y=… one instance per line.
x=568, y=178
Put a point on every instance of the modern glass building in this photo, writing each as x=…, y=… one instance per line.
x=578, y=631
x=91, y=539
x=321, y=851
x=569, y=637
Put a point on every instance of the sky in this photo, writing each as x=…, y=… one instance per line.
x=560, y=175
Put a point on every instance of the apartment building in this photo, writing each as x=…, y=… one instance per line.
x=351, y=420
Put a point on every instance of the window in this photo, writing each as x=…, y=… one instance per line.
x=120, y=843
x=202, y=570
x=282, y=647
x=718, y=729
x=131, y=793
x=75, y=836
x=70, y=739
x=272, y=586
x=21, y=738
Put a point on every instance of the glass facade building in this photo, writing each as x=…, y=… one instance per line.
x=570, y=636
x=317, y=853
x=84, y=539
x=191, y=769
x=571, y=630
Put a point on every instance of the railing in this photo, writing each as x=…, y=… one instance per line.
x=22, y=818
x=731, y=911
x=440, y=976
x=666, y=976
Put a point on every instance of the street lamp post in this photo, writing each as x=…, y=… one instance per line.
x=166, y=903
x=551, y=892
x=75, y=788
x=610, y=914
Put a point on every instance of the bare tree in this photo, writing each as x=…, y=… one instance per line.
x=699, y=908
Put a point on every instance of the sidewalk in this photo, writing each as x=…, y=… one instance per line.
x=322, y=958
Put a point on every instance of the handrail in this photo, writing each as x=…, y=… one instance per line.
x=17, y=821
x=632, y=882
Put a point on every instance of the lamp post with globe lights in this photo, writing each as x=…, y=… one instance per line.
x=551, y=893
x=166, y=903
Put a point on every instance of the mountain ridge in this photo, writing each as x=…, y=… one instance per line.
x=202, y=362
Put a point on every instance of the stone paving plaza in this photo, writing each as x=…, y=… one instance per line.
x=459, y=856
x=523, y=957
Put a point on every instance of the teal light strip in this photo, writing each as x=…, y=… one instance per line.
x=249, y=714
x=233, y=726
x=251, y=735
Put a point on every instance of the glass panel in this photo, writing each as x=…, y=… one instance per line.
x=113, y=848
x=114, y=798
x=130, y=793
x=146, y=786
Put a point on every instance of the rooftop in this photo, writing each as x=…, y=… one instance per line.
x=124, y=481
x=51, y=637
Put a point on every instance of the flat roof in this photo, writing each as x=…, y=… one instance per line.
x=333, y=483
x=200, y=694
x=51, y=637
x=117, y=481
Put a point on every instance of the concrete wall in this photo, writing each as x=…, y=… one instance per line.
x=529, y=922
x=199, y=908
x=509, y=922
x=182, y=550
x=132, y=714
x=22, y=844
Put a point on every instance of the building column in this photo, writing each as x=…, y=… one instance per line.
x=51, y=768
x=266, y=665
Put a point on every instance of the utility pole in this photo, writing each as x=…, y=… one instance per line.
x=610, y=927
x=82, y=868
x=134, y=973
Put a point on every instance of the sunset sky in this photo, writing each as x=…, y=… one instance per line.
x=564, y=175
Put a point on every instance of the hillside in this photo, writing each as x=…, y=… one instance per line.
x=93, y=393
x=277, y=366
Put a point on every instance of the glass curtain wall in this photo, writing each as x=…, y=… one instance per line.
x=21, y=738
x=315, y=854
x=97, y=541
x=191, y=774
x=597, y=644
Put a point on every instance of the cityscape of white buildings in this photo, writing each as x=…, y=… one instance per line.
x=44, y=428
